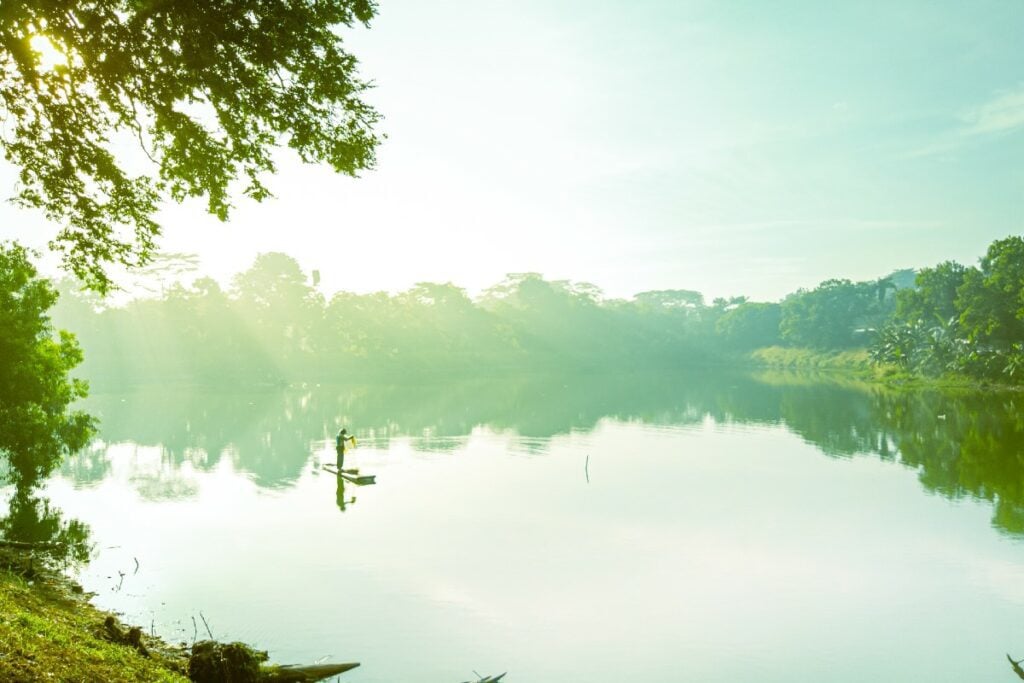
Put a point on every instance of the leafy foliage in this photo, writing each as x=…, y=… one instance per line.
x=968, y=320
x=751, y=325
x=207, y=89
x=36, y=426
x=829, y=316
x=991, y=299
x=933, y=297
x=920, y=347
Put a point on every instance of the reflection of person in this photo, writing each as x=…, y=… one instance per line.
x=339, y=446
x=339, y=495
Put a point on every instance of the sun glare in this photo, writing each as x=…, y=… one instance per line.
x=49, y=56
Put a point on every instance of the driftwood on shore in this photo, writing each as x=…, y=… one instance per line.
x=213, y=662
x=302, y=674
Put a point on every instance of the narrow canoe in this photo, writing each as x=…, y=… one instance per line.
x=355, y=478
x=333, y=469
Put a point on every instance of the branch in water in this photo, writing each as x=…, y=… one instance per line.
x=1016, y=667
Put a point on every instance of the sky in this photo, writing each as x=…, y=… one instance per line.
x=735, y=148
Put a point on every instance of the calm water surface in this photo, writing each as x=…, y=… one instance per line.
x=569, y=529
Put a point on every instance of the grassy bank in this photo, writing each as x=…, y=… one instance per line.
x=857, y=364
x=849, y=360
x=48, y=632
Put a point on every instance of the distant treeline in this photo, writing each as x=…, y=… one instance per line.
x=274, y=325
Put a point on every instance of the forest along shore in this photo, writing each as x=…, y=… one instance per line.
x=50, y=631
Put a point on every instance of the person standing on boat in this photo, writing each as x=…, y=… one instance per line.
x=339, y=446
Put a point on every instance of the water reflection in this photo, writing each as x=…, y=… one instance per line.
x=962, y=444
x=32, y=519
x=339, y=496
x=32, y=451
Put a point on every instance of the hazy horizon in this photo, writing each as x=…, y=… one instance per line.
x=137, y=285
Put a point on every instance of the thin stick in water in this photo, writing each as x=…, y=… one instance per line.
x=206, y=625
x=586, y=468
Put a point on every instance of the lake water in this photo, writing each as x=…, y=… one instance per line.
x=669, y=528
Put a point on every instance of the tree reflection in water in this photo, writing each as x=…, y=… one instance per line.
x=961, y=443
x=33, y=520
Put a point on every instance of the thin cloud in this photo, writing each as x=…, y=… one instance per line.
x=1003, y=114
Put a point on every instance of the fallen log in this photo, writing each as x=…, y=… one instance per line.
x=304, y=674
x=213, y=662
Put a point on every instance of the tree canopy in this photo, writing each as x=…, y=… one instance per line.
x=206, y=89
x=962, y=319
x=991, y=298
x=36, y=427
x=933, y=297
x=827, y=316
x=274, y=325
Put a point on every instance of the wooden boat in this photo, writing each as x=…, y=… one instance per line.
x=352, y=476
x=330, y=467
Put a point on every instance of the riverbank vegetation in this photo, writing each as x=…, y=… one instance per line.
x=846, y=360
x=960, y=319
x=47, y=633
x=274, y=325
x=50, y=631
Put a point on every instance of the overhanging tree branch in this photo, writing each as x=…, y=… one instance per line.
x=214, y=88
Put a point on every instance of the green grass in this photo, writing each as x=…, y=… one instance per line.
x=856, y=365
x=46, y=634
x=811, y=359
